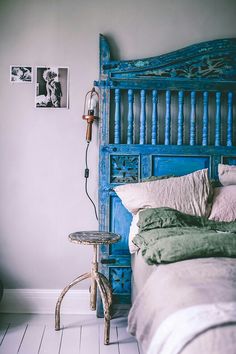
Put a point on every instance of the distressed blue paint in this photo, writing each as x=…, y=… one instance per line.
x=205, y=67
x=151, y=152
x=142, y=117
x=180, y=117
x=230, y=119
x=218, y=119
x=205, y=119
x=117, y=127
x=104, y=56
x=120, y=280
x=154, y=116
x=178, y=165
x=130, y=132
x=212, y=59
x=167, y=84
x=193, y=119
x=124, y=168
x=104, y=114
x=229, y=160
x=121, y=228
x=167, y=118
x=146, y=166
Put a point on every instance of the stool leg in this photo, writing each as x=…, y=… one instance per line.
x=107, y=287
x=106, y=296
x=93, y=288
x=63, y=293
x=93, y=295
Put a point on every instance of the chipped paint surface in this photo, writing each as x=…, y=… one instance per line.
x=199, y=70
x=203, y=61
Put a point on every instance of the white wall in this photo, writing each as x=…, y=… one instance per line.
x=42, y=195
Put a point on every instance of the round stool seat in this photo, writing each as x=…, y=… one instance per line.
x=94, y=237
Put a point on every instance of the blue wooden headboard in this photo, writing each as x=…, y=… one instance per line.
x=169, y=114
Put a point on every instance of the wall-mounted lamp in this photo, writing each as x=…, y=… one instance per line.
x=91, y=106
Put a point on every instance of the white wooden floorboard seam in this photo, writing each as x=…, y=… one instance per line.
x=80, y=339
x=40, y=345
x=22, y=337
x=2, y=336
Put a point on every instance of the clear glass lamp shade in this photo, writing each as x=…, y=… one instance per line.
x=91, y=103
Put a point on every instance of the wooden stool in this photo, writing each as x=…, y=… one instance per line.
x=94, y=238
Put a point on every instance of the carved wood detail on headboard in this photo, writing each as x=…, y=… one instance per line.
x=169, y=114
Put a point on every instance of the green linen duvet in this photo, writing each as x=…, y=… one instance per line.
x=167, y=235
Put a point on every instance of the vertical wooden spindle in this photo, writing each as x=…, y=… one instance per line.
x=130, y=131
x=230, y=119
x=142, y=117
x=218, y=118
x=154, y=117
x=180, y=118
x=117, y=127
x=193, y=119
x=205, y=119
x=167, y=118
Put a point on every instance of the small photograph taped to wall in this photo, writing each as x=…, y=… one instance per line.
x=52, y=87
x=20, y=74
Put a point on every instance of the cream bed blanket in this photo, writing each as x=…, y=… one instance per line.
x=178, y=286
x=184, y=325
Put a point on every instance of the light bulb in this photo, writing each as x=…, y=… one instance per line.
x=93, y=104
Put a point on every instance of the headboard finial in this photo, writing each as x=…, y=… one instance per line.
x=105, y=52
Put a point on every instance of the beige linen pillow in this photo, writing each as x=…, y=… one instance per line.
x=188, y=194
x=227, y=174
x=224, y=204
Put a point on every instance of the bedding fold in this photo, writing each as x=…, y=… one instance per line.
x=167, y=235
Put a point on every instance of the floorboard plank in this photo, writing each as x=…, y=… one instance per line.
x=70, y=342
x=127, y=343
x=111, y=348
x=89, y=339
x=3, y=330
x=51, y=341
x=32, y=339
x=80, y=334
x=12, y=339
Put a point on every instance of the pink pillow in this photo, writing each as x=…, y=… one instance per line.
x=227, y=174
x=224, y=204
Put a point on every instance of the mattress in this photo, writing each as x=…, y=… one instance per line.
x=140, y=273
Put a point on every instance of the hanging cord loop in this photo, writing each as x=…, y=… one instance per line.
x=86, y=175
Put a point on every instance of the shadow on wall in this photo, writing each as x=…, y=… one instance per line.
x=10, y=299
x=1, y=290
x=115, y=52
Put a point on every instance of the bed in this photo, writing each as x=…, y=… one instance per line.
x=166, y=116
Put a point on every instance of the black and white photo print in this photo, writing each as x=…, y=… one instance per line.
x=20, y=74
x=52, y=87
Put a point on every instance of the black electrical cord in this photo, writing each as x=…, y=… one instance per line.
x=86, y=175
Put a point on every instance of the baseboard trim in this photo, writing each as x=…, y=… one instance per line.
x=43, y=301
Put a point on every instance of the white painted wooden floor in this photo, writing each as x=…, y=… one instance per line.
x=81, y=334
